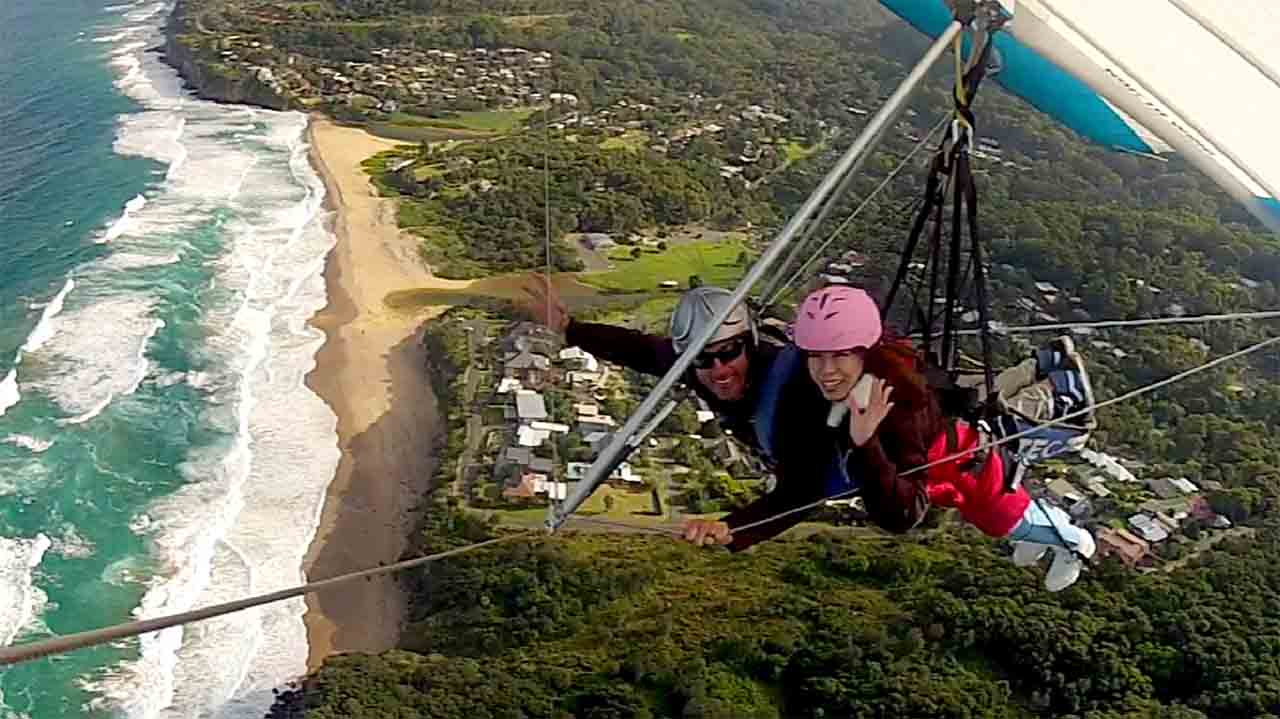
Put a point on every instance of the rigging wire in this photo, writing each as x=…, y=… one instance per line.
x=1065, y=418
x=1000, y=329
x=81, y=640
x=777, y=295
x=59, y=645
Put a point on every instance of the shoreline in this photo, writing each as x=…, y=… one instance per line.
x=371, y=371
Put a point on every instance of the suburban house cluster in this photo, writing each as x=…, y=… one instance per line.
x=1172, y=505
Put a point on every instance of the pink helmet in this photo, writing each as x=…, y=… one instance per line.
x=837, y=318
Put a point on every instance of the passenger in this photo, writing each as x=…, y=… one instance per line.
x=760, y=394
x=894, y=424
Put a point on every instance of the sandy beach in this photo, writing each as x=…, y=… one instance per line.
x=371, y=373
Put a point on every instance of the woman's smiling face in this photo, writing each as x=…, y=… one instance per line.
x=835, y=373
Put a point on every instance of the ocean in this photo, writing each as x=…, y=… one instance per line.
x=159, y=450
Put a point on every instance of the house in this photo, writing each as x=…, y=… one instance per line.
x=509, y=385
x=580, y=359
x=586, y=409
x=1148, y=528
x=1163, y=488
x=524, y=489
x=518, y=456
x=1108, y=464
x=1199, y=509
x=598, y=440
x=1046, y=288
x=527, y=436
x=531, y=369
x=1096, y=487
x=523, y=457
x=598, y=241
x=1121, y=543
x=1064, y=491
x=530, y=406
x=552, y=427
x=1176, y=506
x=530, y=337
x=1169, y=523
x=578, y=470
x=582, y=377
x=1184, y=485
x=595, y=423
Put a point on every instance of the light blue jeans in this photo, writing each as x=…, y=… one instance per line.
x=1038, y=526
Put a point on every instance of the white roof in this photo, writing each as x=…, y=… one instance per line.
x=1185, y=485
x=527, y=436
x=705, y=415
x=508, y=384
x=530, y=405
x=550, y=426
x=586, y=409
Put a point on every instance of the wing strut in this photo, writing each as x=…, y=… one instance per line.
x=620, y=445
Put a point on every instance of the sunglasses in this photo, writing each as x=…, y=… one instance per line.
x=707, y=359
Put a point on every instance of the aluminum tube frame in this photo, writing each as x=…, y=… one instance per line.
x=605, y=463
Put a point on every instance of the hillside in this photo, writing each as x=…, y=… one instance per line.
x=685, y=133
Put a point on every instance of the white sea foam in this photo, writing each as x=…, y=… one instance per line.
x=25, y=441
x=122, y=224
x=9, y=395
x=219, y=536
x=44, y=328
x=20, y=599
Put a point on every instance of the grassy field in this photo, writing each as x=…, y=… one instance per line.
x=631, y=140
x=716, y=263
x=528, y=21
x=460, y=126
x=498, y=121
x=628, y=506
x=652, y=315
x=796, y=151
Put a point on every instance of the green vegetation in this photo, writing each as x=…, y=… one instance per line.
x=480, y=206
x=797, y=151
x=714, y=262
x=498, y=122
x=936, y=627
x=926, y=625
x=632, y=141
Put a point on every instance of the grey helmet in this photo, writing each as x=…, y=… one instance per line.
x=697, y=308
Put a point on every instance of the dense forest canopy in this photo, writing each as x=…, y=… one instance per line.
x=934, y=627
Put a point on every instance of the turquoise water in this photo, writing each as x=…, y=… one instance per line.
x=161, y=258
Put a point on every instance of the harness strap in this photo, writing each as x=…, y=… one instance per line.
x=763, y=420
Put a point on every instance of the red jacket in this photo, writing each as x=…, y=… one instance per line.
x=977, y=492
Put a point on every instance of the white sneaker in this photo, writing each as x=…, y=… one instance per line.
x=1064, y=571
x=1087, y=546
x=1026, y=554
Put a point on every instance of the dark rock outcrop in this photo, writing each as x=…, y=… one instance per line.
x=214, y=81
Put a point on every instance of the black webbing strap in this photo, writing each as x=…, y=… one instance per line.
x=964, y=172
x=930, y=199
x=934, y=262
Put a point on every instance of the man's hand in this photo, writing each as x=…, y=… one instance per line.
x=544, y=303
x=706, y=531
